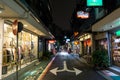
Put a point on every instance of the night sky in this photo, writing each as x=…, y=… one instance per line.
x=62, y=11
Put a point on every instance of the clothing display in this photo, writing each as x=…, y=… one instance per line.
x=6, y=56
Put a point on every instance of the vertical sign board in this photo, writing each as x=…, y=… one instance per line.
x=1, y=42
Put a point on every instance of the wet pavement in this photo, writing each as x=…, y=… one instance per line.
x=67, y=67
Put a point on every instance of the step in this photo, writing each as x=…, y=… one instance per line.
x=115, y=69
x=109, y=75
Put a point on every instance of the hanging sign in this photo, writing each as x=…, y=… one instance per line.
x=51, y=41
x=15, y=27
x=76, y=33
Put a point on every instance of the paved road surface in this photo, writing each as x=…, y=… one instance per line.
x=67, y=67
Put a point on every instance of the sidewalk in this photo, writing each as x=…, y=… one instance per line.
x=113, y=73
x=35, y=71
x=11, y=75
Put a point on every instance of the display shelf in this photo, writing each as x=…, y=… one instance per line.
x=116, y=52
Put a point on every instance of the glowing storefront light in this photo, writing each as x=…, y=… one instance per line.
x=117, y=33
x=1, y=42
x=82, y=14
x=63, y=53
x=81, y=39
x=11, y=35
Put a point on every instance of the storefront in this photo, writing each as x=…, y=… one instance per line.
x=17, y=51
x=27, y=48
x=9, y=45
x=28, y=44
x=85, y=44
x=1, y=47
x=76, y=47
x=51, y=46
x=101, y=41
x=110, y=25
x=116, y=48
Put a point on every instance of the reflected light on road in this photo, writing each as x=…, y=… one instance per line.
x=63, y=53
x=33, y=72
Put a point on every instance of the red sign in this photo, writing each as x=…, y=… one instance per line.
x=51, y=41
x=15, y=27
x=76, y=33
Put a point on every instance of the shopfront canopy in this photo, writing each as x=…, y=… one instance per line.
x=109, y=22
x=12, y=10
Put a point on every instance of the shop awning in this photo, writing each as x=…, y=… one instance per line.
x=14, y=10
x=109, y=22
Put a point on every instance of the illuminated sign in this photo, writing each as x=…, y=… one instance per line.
x=94, y=2
x=82, y=14
x=117, y=40
x=76, y=33
x=76, y=42
x=52, y=41
x=117, y=33
x=15, y=27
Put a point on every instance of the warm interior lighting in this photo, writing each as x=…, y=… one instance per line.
x=52, y=41
x=76, y=33
x=76, y=42
x=25, y=25
x=1, y=10
x=82, y=14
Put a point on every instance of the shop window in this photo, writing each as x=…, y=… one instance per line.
x=116, y=50
x=102, y=44
x=27, y=48
x=87, y=46
x=9, y=48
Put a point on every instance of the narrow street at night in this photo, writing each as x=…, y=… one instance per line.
x=69, y=67
x=60, y=39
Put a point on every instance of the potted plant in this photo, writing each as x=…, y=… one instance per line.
x=100, y=59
